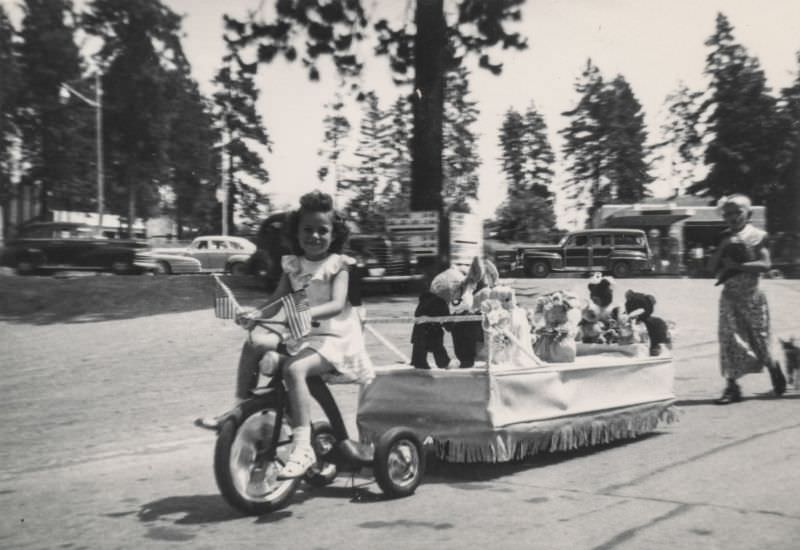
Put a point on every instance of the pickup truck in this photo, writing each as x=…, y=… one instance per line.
x=621, y=252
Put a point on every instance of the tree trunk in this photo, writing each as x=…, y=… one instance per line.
x=426, y=148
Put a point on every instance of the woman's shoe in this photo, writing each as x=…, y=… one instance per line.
x=778, y=379
x=732, y=394
x=301, y=459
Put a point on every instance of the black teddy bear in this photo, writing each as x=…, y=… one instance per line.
x=657, y=328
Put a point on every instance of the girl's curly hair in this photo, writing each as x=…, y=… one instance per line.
x=317, y=201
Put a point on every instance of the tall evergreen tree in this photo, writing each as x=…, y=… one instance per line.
x=538, y=155
x=48, y=58
x=333, y=28
x=626, y=162
x=745, y=141
x=585, y=144
x=512, y=157
x=367, y=179
x=243, y=132
x=336, y=128
x=194, y=172
x=9, y=91
x=682, y=140
x=460, y=154
x=784, y=207
x=140, y=46
x=527, y=212
x=396, y=142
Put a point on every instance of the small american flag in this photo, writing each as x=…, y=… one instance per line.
x=298, y=314
x=225, y=304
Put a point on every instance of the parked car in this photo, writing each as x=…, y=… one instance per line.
x=53, y=246
x=621, y=252
x=209, y=253
x=379, y=260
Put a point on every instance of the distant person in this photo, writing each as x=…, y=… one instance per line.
x=697, y=259
x=744, y=331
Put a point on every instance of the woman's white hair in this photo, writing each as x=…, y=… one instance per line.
x=740, y=200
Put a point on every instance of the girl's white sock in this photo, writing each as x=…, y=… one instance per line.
x=301, y=436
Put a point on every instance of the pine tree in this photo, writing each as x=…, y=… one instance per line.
x=682, y=140
x=9, y=92
x=460, y=155
x=243, y=133
x=49, y=57
x=538, y=155
x=140, y=46
x=333, y=28
x=585, y=144
x=741, y=154
x=396, y=141
x=512, y=158
x=193, y=171
x=367, y=179
x=527, y=212
x=336, y=128
x=784, y=206
x=627, y=168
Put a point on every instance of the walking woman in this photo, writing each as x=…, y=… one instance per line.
x=744, y=332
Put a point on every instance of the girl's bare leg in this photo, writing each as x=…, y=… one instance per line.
x=253, y=349
x=295, y=372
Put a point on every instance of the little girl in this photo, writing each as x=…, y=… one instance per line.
x=335, y=347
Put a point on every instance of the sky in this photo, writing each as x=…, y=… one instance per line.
x=654, y=44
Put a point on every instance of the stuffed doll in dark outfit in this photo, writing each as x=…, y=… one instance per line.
x=429, y=337
x=657, y=328
x=457, y=290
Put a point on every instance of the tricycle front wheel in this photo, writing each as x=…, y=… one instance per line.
x=399, y=462
x=246, y=465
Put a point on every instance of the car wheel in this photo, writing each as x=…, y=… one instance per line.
x=162, y=268
x=621, y=270
x=239, y=268
x=25, y=268
x=539, y=269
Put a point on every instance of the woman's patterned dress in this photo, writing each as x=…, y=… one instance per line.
x=744, y=332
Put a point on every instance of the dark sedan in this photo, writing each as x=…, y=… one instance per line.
x=53, y=246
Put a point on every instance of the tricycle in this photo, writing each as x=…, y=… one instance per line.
x=495, y=411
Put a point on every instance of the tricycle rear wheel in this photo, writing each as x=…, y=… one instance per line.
x=399, y=462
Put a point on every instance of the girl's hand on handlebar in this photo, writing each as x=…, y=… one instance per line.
x=247, y=318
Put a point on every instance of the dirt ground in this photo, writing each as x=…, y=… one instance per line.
x=102, y=377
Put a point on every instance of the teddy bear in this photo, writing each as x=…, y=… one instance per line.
x=598, y=324
x=641, y=307
x=455, y=291
x=591, y=330
x=556, y=316
x=505, y=326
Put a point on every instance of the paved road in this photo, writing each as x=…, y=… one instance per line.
x=98, y=451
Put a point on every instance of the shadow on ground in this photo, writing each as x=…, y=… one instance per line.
x=469, y=476
x=43, y=300
x=72, y=297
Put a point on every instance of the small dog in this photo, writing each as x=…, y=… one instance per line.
x=791, y=352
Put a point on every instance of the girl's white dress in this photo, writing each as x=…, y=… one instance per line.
x=339, y=339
